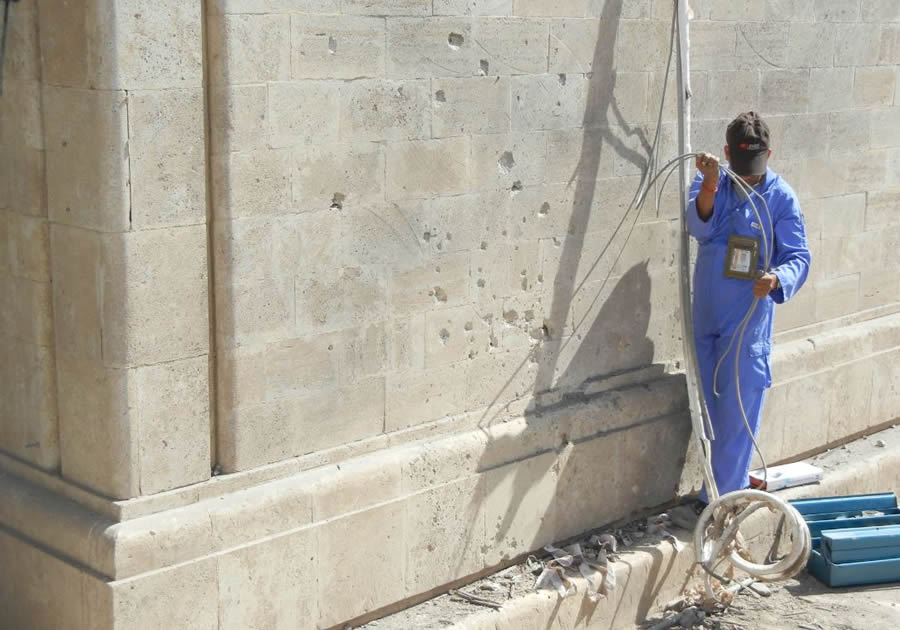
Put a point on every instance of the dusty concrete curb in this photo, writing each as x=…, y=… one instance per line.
x=652, y=575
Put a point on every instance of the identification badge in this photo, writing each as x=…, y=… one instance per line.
x=742, y=257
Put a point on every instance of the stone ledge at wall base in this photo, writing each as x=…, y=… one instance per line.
x=656, y=575
x=319, y=548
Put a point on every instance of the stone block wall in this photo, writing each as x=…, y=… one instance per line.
x=309, y=268
x=419, y=214
x=28, y=411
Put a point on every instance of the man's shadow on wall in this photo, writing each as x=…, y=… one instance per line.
x=611, y=339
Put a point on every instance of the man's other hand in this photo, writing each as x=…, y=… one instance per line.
x=708, y=164
x=765, y=284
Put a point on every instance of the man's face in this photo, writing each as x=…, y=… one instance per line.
x=746, y=178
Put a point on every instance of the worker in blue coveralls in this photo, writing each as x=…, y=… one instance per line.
x=729, y=275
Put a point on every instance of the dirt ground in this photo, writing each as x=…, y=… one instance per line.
x=807, y=604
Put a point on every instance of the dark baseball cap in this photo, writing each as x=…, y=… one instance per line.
x=748, y=142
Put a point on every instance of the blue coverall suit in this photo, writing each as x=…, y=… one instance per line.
x=721, y=302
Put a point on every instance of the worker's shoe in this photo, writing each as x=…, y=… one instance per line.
x=686, y=515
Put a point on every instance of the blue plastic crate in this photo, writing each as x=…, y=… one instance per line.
x=850, y=549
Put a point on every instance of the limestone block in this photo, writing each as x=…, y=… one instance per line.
x=855, y=46
x=66, y=33
x=253, y=593
x=20, y=113
x=275, y=371
x=455, y=334
x=386, y=7
x=763, y=45
x=882, y=209
x=588, y=494
x=737, y=12
x=885, y=388
x=165, y=44
x=303, y=113
x=260, y=434
x=432, y=47
x=799, y=401
x=185, y=596
x=724, y=89
x=216, y=7
x=38, y=590
x=473, y=7
x=87, y=163
x=886, y=128
x=647, y=479
x=878, y=288
x=785, y=91
x=76, y=295
x=341, y=298
x=812, y=45
x=28, y=246
x=889, y=48
x=521, y=508
x=22, y=181
x=167, y=158
x=511, y=46
x=874, y=87
x=321, y=239
x=407, y=343
x=421, y=396
x=849, y=129
x=866, y=170
x=791, y=10
x=252, y=183
x=631, y=96
x=441, y=282
x=836, y=11
x=336, y=47
x=344, y=556
x=350, y=173
x=524, y=274
x=249, y=48
x=356, y=485
x=851, y=399
x=383, y=233
x=237, y=118
x=444, y=534
x=363, y=352
x=799, y=311
x=497, y=379
x=426, y=168
x=263, y=247
x=837, y=297
x=573, y=45
x=98, y=444
x=30, y=427
x=635, y=9
x=155, y=296
x=258, y=512
x=255, y=311
x=578, y=155
x=642, y=46
x=172, y=408
x=551, y=8
x=879, y=11
x=463, y=223
x=803, y=135
x=713, y=45
x=471, y=105
x=23, y=46
x=545, y=102
x=385, y=110
x=29, y=310
x=843, y=216
x=499, y=161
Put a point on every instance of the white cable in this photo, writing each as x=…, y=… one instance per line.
x=742, y=503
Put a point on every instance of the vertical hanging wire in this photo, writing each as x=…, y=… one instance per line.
x=6, y=4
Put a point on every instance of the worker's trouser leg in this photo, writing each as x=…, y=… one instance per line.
x=732, y=449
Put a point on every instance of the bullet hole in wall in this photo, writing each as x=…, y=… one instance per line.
x=484, y=67
x=337, y=201
x=440, y=96
x=506, y=162
x=455, y=40
x=332, y=45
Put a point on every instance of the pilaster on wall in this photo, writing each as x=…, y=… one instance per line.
x=126, y=197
